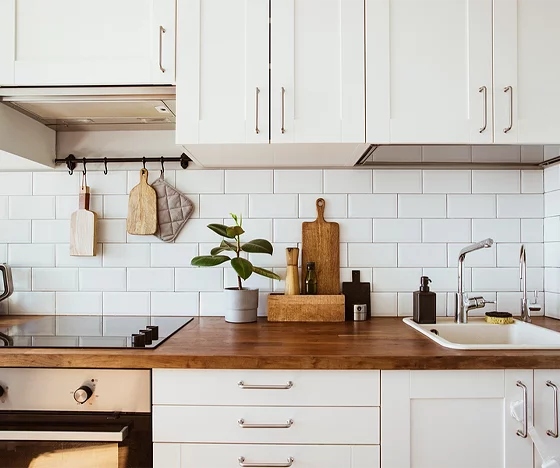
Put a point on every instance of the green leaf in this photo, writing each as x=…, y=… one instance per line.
x=220, y=229
x=209, y=260
x=242, y=267
x=224, y=246
x=257, y=246
x=234, y=231
x=266, y=273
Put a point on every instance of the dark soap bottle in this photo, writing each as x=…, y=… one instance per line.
x=424, y=303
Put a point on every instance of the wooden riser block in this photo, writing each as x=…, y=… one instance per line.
x=320, y=308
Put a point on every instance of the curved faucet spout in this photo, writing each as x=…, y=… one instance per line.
x=486, y=243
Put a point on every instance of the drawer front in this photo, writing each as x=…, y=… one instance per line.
x=282, y=425
x=265, y=388
x=302, y=456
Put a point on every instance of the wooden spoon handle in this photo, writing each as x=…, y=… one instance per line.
x=320, y=209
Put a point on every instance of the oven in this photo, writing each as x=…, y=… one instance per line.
x=75, y=418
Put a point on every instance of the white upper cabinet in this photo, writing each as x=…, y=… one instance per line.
x=89, y=42
x=317, y=71
x=527, y=71
x=429, y=71
x=222, y=71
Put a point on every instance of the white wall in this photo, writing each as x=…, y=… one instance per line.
x=552, y=240
x=395, y=226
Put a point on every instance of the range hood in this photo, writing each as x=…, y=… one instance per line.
x=99, y=108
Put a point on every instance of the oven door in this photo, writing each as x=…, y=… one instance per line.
x=75, y=440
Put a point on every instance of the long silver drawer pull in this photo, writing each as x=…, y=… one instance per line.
x=283, y=130
x=245, y=386
x=553, y=433
x=289, y=463
x=257, y=91
x=484, y=90
x=510, y=90
x=243, y=425
x=523, y=433
x=161, y=33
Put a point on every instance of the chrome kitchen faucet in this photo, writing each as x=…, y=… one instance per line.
x=464, y=304
x=525, y=315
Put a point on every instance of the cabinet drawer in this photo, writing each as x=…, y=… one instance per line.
x=302, y=456
x=300, y=425
x=265, y=388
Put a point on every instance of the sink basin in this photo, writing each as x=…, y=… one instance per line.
x=477, y=334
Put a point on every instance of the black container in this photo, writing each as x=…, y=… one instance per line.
x=424, y=303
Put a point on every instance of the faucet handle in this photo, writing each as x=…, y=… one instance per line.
x=477, y=302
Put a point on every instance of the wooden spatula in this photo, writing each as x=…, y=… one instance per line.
x=82, y=227
x=142, y=208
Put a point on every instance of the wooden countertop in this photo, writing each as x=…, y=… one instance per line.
x=210, y=343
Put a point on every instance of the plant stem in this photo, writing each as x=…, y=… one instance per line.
x=239, y=285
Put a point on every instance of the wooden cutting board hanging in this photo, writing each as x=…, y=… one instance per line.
x=321, y=244
x=142, y=208
x=83, y=239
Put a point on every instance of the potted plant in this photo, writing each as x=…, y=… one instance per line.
x=240, y=303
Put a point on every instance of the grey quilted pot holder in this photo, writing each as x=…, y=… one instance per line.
x=173, y=210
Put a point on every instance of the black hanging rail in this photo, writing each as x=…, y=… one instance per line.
x=71, y=161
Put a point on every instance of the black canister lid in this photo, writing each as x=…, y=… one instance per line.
x=424, y=286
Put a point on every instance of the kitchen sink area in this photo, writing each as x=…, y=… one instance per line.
x=477, y=334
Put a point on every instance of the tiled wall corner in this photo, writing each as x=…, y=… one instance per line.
x=551, y=226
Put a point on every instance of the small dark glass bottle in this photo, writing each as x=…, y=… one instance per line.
x=311, y=279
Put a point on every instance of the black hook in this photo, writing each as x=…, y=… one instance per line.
x=185, y=160
x=71, y=163
x=162, y=168
x=84, y=163
x=144, y=162
x=105, y=163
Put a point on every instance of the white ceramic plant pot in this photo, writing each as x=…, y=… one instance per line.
x=241, y=305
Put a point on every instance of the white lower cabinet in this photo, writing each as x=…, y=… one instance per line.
x=547, y=383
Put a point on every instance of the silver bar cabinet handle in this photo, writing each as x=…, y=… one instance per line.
x=553, y=433
x=289, y=463
x=283, y=99
x=484, y=90
x=244, y=425
x=161, y=33
x=245, y=386
x=523, y=433
x=510, y=90
x=257, y=92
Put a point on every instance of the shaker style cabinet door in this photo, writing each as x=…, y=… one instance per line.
x=429, y=71
x=222, y=71
x=526, y=71
x=439, y=419
x=547, y=384
x=89, y=42
x=317, y=71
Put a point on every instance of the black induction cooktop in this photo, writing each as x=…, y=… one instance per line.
x=89, y=331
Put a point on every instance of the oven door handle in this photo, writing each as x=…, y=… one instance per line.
x=66, y=436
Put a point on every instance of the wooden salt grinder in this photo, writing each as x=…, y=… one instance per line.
x=292, y=277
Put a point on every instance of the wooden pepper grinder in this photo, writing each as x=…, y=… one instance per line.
x=292, y=277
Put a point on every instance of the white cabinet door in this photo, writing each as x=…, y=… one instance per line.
x=526, y=46
x=546, y=403
x=90, y=42
x=222, y=71
x=317, y=71
x=167, y=455
x=439, y=419
x=429, y=71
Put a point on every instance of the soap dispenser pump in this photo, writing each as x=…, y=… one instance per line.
x=424, y=303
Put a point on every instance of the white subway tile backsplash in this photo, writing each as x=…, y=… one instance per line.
x=133, y=177
x=199, y=279
x=67, y=204
x=288, y=230
x=501, y=230
x=521, y=206
x=220, y=206
x=372, y=255
x=510, y=302
x=506, y=181
x=174, y=304
x=173, y=255
x=55, y=279
x=422, y=206
x=212, y=303
x=552, y=304
x=532, y=230
x=551, y=229
x=16, y=183
x=508, y=255
x=56, y=183
x=126, y=303
x=15, y=231
x=21, y=279
x=535, y=279
x=532, y=182
x=114, y=183
x=298, y=181
x=446, y=181
x=552, y=280
x=277, y=259
x=551, y=255
x=121, y=326
x=404, y=304
x=551, y=177
x=397, y=181
x=64, y=259
x=396, y=279
x=111, y=230
x=397, y=230
x=115, y=206
x=372, y=205
x=29, y=207
x=50, y=231
x=471, y=206
x=3, y=253
x=347, y=181
x=335, y=205
x=126, y=255
x=102, y=279
x=248, y=181
x=383, y=304
x=446, y=230
x=200, y=181
x=31, y=255
x=552, y=203
x=445, y=279
x=495, y=279
x=422, y=255
x=150, y=279
x=32, y=303
x=355, y=230
x=79, y=303
x=196, y=230
x=273, y=206
x=4, y=207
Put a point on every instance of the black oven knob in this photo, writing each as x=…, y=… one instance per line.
x=83, y=394
x=2, y=391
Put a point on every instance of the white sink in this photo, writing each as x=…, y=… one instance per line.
x=477, y=334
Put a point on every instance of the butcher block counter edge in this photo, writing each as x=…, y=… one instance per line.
x=210, y=343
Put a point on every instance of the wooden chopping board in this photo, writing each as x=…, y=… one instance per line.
x=82, y=227
x=321, y=244
x=142, y=208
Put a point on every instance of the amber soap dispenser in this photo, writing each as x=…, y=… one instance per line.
x=424, y=307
